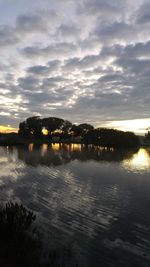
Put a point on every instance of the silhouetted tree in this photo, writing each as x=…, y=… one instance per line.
x=76, y=130
x=147, y=137
x=91, y=137
x=35, y=126
x=52, y=124
x=101, y=136
x=85, y=127
x=24, y=130
x=111, y=138
x=66, y=127
x=32, y=127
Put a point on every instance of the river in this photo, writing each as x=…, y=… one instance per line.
x=95, y=199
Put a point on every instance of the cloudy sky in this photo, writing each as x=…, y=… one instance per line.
x=82, y=60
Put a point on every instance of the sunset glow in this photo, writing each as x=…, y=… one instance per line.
x=7, y=129
x=45, y=131
x=138, y=126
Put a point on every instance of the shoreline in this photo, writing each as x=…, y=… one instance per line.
x=63, y=142
x=107, y=139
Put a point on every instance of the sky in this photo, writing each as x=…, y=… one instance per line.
x=81, y=60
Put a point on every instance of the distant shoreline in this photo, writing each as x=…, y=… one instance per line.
x=102, y=138
x=21, y=142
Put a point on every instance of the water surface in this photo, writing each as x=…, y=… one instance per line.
x=95, y=199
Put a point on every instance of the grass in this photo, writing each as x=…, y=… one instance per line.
x=20, y=244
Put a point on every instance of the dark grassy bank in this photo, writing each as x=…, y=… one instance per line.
x=21, y=243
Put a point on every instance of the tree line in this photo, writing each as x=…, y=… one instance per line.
x=52, y=127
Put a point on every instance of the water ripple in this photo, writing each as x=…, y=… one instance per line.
x=96, y=200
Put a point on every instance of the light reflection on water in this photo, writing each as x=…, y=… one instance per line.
x=69, y=147
x=140, y=162
x=96, y=199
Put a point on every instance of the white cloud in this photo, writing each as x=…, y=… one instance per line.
x=75, y=59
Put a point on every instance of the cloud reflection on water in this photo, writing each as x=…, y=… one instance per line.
x=58, y=154
x=84, y=195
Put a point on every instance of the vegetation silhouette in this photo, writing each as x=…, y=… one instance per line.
x=20, y=241
x=57, y=130
x=147, y=138
x=60, y=130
